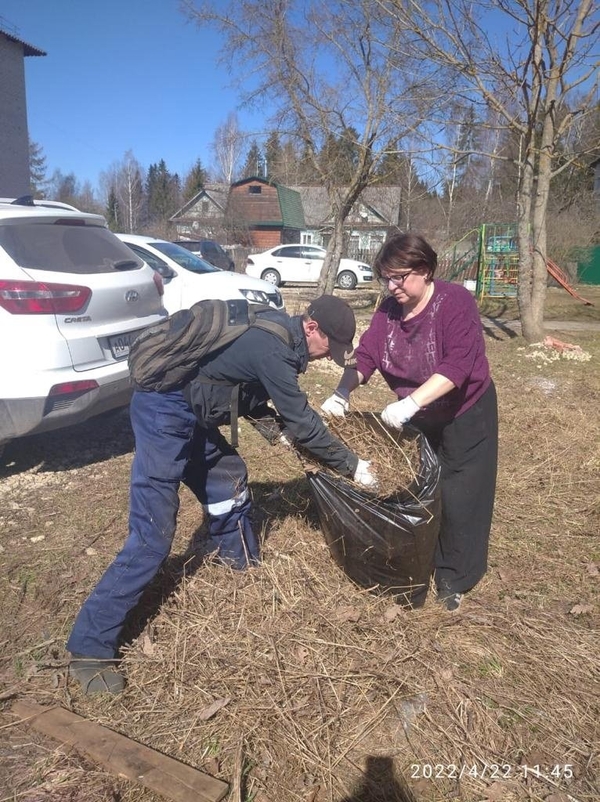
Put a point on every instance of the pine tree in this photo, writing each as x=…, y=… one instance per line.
x=194, y=181
x=254, y=159
x=307, y=174
x=273, y=157
x=65, y=187
x=289, y=171
x=339, y=156
x=37, y=170
x=466, y=144
x=391, y=165
x=112, y=212
x=163, y=192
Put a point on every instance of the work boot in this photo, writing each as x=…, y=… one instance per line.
x=452, y=602
x=448, y=598
x=96, y=675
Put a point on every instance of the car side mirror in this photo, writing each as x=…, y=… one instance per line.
x=165, y=272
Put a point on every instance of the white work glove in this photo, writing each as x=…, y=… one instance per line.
x=336, y=406
x=400, y=412
x=363, y=475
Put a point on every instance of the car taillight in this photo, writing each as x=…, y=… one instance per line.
x=41, y=298
x=158, y=282
x=249, y=261
x=63, y=396
x=68, y=388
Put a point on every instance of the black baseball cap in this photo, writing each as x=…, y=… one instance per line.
x=336, y=319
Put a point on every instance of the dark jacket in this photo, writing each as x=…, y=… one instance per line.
x=266, y=368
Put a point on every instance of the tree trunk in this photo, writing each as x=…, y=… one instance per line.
x=531, y=326
x=327, y=279
x=342, y=201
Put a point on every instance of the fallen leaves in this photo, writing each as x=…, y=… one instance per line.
x=213, y=708
x=581, y=609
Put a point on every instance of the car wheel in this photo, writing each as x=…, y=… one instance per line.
x=272, y=276
x=346, y=280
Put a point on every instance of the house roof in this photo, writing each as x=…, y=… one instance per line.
x=292, y=211
x=217, y=193
x=290, y=203
x=383, y=201
x=304, y=206
x=28, y=50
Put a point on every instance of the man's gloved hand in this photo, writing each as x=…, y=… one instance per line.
x=363, y=475
x=400, y=412
x=336, y=406
x=268, y=428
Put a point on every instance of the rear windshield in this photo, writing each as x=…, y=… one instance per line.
x=66, y=248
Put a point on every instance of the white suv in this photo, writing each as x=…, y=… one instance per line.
x=72, y=298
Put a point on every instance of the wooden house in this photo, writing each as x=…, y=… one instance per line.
x=366, y=227
x=261, y=214
x=203, y=216
x=264, y=214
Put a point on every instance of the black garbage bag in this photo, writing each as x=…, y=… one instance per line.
x=386, y=545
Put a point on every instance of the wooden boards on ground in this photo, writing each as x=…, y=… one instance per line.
x=122, y=756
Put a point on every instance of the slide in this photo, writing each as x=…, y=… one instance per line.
x=561, y=277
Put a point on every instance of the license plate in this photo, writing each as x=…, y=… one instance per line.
x=120, y=344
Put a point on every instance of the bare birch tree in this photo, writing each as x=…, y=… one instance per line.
x=228, y=147
x=126, y=180
x=531, y=63
x=325, y=69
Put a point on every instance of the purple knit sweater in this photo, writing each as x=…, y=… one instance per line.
x=446, y=338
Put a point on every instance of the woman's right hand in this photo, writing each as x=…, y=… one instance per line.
x=400, y=412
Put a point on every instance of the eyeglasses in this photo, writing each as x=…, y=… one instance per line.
x=397, y=281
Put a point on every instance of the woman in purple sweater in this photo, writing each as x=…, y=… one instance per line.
x=426, y=340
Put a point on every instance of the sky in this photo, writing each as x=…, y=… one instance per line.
x=121, y=75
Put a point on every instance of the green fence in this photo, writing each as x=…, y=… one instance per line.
x=588, y=265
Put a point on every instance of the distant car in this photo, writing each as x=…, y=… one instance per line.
x=187, y=278
x=210, y=250
x=72, y=299
x=303, y=263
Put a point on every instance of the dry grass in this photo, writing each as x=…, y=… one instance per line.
x=394, y=455
x=330, y=693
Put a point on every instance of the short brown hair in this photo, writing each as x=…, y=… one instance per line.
x=406, y=252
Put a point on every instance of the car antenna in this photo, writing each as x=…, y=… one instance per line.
x=24, y=200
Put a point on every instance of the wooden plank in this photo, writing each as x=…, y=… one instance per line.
x=122, y=756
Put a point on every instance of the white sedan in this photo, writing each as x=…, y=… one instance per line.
x=187, y=278
x=303, y=263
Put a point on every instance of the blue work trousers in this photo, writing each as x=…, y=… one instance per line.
x=170, y=448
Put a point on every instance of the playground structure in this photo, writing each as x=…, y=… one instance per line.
x=486, y=259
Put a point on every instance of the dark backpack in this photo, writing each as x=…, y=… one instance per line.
x=166, y=356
